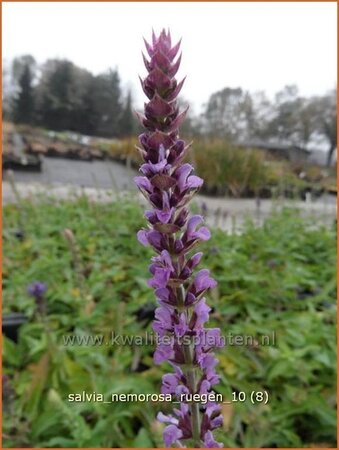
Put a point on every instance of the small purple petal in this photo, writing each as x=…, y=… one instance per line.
x=154, y=238
x=217, y=422
x=203, y=281
x=181, y=327
x=213, y=337
x=171, y=434
x=163, y=352
x=181, y=174
x=201, y=310
x=143, y=183
x=203, y=234
x=183, y=411
x=151, y=216
x=194, y=260
x=162, y=294
x=208, y=361
x=164, y=215
x=164, y=418
x=142, y=237
x=169, y=384
x=204, y=387
x=160, y=279
x=193, y=223
x=210, y=442
x=181, y=390
x=149, y=168
x=163, y=315
x=190, y=299
x=194, y=182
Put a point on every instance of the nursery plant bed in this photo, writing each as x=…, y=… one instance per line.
x=62, y=150
x=76, y=154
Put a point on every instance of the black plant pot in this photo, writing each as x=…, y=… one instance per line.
x=11, y=324
x=31, y=163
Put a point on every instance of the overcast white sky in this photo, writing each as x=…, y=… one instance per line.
x=258, y=46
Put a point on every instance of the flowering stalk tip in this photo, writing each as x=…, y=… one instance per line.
x=169, y=184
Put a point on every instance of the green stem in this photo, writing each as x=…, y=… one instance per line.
x=191, y=377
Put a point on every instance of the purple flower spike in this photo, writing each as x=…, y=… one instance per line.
x=169, y=184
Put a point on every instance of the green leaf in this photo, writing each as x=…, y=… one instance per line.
x=142, y=440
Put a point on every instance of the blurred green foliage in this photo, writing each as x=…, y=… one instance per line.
x=278, y=279
x=228, y=169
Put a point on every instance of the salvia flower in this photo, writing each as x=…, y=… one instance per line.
x=169, y=184
x=37, y=290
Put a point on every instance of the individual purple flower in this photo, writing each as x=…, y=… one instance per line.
x=170, y=382
x=164, y=352
x=202, y=282
x=172, y=433
x=209, y=441
x=161, y=269
x=163, y=321
x=180, y=424
x=185, y=181
x=200, y=314
x=169, y=184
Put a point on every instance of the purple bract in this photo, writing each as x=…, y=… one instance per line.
x=168, y=184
